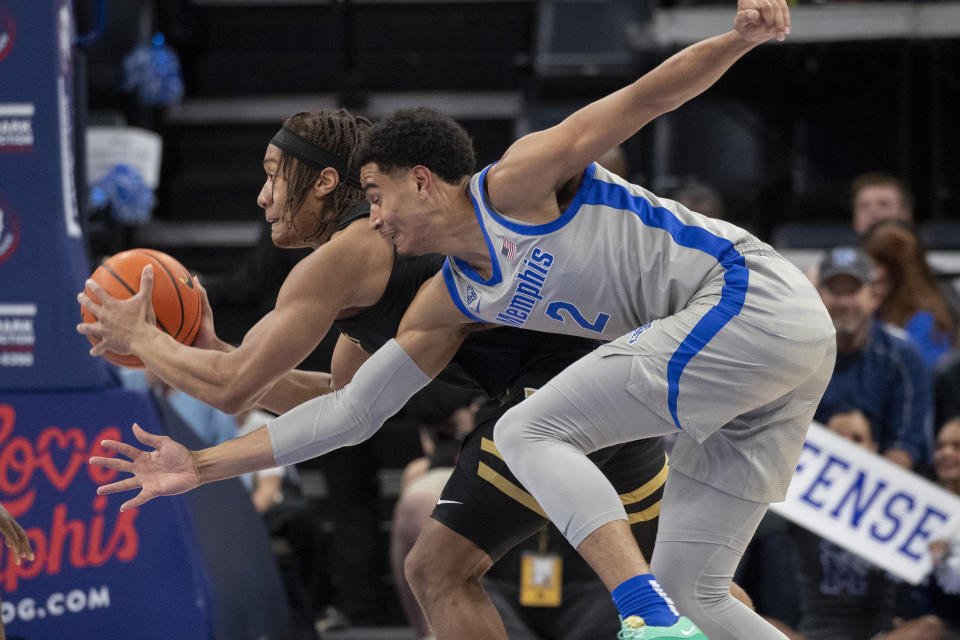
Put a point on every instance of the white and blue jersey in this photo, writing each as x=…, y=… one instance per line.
x=618, y=257
x=729, y=345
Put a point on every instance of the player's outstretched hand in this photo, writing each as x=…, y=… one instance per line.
x=167, y=469
x=760, y=20
x=15, y=537
x=118, y=321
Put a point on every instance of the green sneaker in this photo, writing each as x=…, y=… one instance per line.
x=634, y=628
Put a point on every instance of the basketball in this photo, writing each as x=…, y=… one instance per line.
x=176, y=300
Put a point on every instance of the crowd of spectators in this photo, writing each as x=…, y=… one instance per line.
x=895, y=391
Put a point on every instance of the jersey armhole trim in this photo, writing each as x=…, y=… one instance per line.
x=589, y=176
x=454, y=293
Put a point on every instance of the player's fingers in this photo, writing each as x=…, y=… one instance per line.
x=14, y=547
x=747, y=21
x=786, y=16
x=146, y=281
x=133, y=503
x=97, y=290
x=87, y=303
x=98, y=349
x=780, y=21
x=23, y=544
x=751, y=16
x=117, y=464
x=122, y=448
x=88, y=329
x=201, y=289
x=768, y=11
x=204, y=299
x=147, y=438
x=116, y=487
x=15, y=535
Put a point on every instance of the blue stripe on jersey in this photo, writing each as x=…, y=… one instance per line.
x=736, y=278
x=539, y=229
x=454, y=293
x=496, y=277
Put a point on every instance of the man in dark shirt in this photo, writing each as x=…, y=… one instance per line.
x=877, y=371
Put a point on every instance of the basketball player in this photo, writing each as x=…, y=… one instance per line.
x=726, y=343
x=354, y=282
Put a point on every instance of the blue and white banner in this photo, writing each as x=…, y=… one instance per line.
x=43, y=261
x=868, y=505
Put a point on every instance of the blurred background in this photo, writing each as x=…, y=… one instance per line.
x=198, y=87
x=857, y=87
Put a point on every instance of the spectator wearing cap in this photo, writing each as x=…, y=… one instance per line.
x=878, y=370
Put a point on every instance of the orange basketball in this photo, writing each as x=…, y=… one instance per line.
x=176, y=300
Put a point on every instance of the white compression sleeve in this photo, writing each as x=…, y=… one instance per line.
x=380, y=388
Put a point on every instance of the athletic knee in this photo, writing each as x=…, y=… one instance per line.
x=519, y=428
x=432, y=574
x=691, y=592
x=508, y=434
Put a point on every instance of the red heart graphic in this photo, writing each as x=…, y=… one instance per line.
x=61, y=480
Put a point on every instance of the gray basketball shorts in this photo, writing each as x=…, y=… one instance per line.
x=740, y=390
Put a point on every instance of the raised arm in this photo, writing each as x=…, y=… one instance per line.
x=430, y=334
x=349, y=271
x=537, y=165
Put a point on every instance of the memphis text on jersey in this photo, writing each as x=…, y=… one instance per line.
x=527, y=294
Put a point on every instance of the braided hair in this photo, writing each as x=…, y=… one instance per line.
x=341, y=133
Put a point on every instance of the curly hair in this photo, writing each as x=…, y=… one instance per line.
x=340, y=132
x=420, y=136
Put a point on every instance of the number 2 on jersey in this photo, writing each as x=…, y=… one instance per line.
x=554, y=309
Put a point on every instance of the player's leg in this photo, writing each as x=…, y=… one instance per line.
x=546, y=439
x=602, y=400
x=411, y=514
x=473, y=523
x=548, y=436
x=444, y=570
x=704, y=530
x=484, y=512
x=703, y=534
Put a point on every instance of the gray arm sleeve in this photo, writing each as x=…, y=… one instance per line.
x=380, y=388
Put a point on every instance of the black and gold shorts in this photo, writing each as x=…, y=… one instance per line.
x=485, y=503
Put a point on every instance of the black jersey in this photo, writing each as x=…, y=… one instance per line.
x=499, y=362
x=375, y=325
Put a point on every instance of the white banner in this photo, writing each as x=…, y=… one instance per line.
x=868, y=505
x=110, y=146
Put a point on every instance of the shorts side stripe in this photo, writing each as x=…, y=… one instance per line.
x=486, y=444
x=507, y=487
x=649, y=513
x=647, y=488
x=512, y=490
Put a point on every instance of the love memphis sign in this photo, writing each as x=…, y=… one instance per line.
x=93, y=566
x=868, y=505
